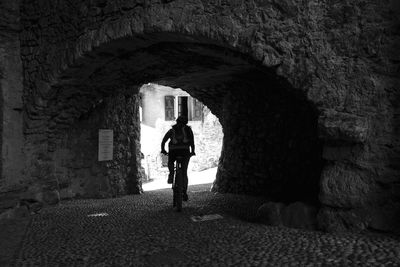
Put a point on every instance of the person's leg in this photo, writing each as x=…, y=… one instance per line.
x=171, y=161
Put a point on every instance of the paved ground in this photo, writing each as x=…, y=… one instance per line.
x=143, y=230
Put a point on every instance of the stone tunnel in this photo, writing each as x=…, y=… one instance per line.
x=307, y=94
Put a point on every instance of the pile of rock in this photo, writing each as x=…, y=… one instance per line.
x=295, y=215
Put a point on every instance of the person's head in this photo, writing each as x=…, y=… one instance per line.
x=182, y=120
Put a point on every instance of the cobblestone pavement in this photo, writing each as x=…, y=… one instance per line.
x=143, y=230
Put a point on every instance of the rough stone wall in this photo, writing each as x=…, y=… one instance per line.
x=271, y=144
x=11, y=87
x=342, y=55
x=360, y=183
x=1, y=128
x=78, y=171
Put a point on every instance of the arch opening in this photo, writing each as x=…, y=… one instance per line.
x=159, y=108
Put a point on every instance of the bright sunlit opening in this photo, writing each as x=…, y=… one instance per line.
x=159, y=107
x=204, y=177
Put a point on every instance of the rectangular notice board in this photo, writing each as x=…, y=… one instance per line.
x=106, y=138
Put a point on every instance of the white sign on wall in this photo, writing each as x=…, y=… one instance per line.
x=106, y=144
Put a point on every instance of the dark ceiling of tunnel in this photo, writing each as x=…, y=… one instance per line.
x=203, y=69
x=113, y=65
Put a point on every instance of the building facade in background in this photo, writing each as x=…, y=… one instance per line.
x=160, y=106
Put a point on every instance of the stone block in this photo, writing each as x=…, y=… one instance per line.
x=295, y=215
x=342, y=127
x=35, y=207
x=350, y=152
x=34, y=192
x=339, y=220
x=345, y=186
x=51, y=197
x=300, y=216
x=9, y=200
x=289, y=7
x=21, y=212
x=270, y=213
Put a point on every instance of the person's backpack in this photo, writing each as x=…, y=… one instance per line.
x=180, y=136
x=179, y=139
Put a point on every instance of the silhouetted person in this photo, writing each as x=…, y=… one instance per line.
x=181, y=144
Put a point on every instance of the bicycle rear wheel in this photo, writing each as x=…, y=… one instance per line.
x=178, y=190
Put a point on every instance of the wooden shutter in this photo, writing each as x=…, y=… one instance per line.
x=197, y=110
x=169, y=108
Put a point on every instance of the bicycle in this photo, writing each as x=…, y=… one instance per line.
x=177, y=185
x=178, y=182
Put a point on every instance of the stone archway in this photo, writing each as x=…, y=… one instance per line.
x=271, y=145
x=331, y=67
x=232, y=86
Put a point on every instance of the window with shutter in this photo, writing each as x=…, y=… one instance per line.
x=169, y=108
x=183, y=106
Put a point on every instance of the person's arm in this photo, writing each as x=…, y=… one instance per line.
x=165, y=139
x=191, y=138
